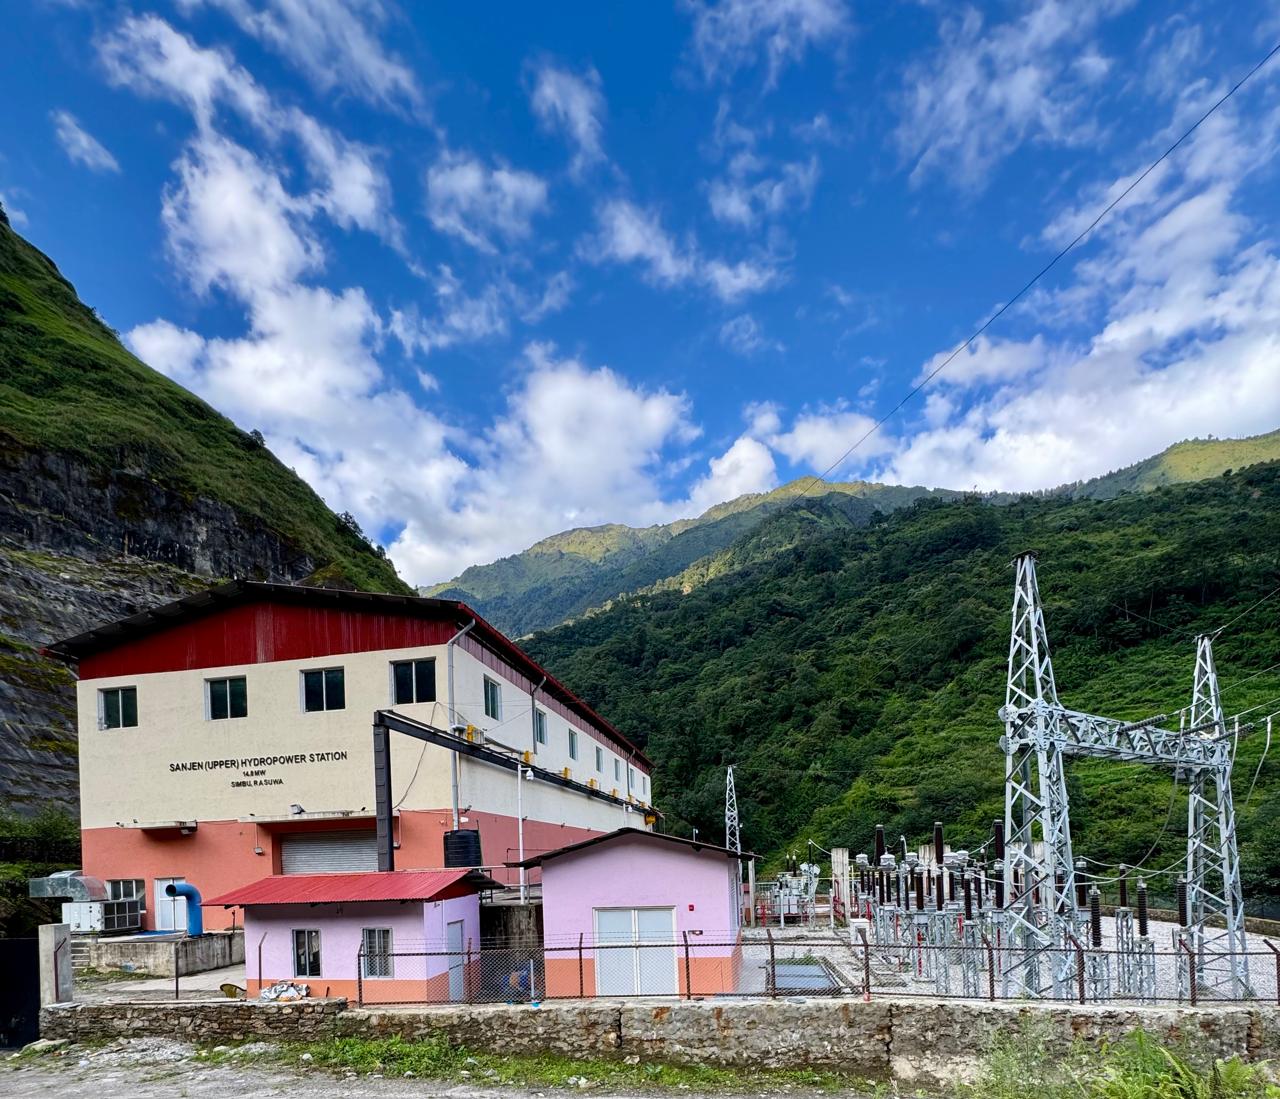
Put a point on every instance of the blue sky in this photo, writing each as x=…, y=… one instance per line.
x=484, y=272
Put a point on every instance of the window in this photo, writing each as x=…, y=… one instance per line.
x=644, y=784
x=413, y=681
x=539, y=728
x=573, y=743
x=599, y=758
x=128, y=889
x=118, y=708
x=228, y=698
x=617, y=770
x=631, y=779
x=375, y=950
x=492, y=699
x=306, y=953
x=324, y=690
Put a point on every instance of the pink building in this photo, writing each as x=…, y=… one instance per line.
x=409, y=935
x=654, y=914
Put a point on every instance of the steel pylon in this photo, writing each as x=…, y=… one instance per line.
x=1039, y=872
x=732, y=833
x=1213, y=863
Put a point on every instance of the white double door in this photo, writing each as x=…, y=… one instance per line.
x=643, y=963
x=171, y=912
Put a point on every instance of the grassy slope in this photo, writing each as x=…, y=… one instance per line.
x=579, y=570
x=854, y=677
x=1190, y=460
x=68, y=385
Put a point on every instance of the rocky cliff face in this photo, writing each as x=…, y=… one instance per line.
x=77, y=549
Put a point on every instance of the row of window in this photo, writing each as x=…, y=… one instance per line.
x=375, y=952
x=322, y=689
x=325, y=689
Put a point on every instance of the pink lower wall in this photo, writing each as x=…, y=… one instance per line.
x=415, y=926
x=219, y=856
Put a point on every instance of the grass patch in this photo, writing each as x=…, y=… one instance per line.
x=1137, y=1067
x=436, y=1059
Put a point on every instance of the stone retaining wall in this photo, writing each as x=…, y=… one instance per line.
x=192, y=1020
x=157, y=956
x=917, y=1042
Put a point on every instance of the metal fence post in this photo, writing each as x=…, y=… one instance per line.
x=773, y=964
x=582, y=970
x=360, y=974
x=866, y=965
x=466, y=975
x=1276, y=953
x=1191, y=971
x=688, y=972
x=1079, y=967
x=177, y=993
x=991, y=969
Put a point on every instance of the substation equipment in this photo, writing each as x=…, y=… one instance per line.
x=1023, y=913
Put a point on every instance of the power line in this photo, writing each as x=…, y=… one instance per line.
x=1249, y=609
x=817, y=478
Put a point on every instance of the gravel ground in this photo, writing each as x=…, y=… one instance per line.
x=162, y=1068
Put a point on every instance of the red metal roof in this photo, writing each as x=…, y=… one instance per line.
x=342, y=621
x=396, y=885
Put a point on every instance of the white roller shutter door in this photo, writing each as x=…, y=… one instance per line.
x=329, y=852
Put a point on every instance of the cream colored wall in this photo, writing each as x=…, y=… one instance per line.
x=131, y=774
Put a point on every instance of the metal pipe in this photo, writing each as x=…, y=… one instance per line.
x=453, y=716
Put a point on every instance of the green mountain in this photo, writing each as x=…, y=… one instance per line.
x=120, y=490
x=581, y=570
x=852, y=671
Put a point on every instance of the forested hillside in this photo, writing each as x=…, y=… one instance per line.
x=853, y=676
x=584, y=569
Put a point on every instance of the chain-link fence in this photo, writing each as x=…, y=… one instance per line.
x=772, y=963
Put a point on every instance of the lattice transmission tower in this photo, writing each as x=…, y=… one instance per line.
x=1039, y=871
x=732, y=833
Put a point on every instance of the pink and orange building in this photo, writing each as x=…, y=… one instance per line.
x=227, y=736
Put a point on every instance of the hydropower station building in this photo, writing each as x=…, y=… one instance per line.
x=227, y=736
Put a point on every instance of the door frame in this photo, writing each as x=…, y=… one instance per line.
x=635, y=950
x=157, y=885
x=457, y=960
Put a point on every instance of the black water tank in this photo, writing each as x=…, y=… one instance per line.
x=462, y=848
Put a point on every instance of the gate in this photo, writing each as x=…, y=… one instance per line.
x=19, y=991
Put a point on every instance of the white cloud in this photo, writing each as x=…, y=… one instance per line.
x=169, y=349
x=575, y=446
x=334, y=43
x=147, y=55
x=81, y=146
x=460, y=317
x=819, y=439
x=627, y=233
x=986, y=89
x=573, y=105
x=747, y=466
x=744, y=198
x=735, y=34
x=478, y=204
x=743, y=335
x=1173, y=331
x=17, y=217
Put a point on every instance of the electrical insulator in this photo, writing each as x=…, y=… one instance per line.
x=1142, y=908
x=1095, y=917
x=1183, y=921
